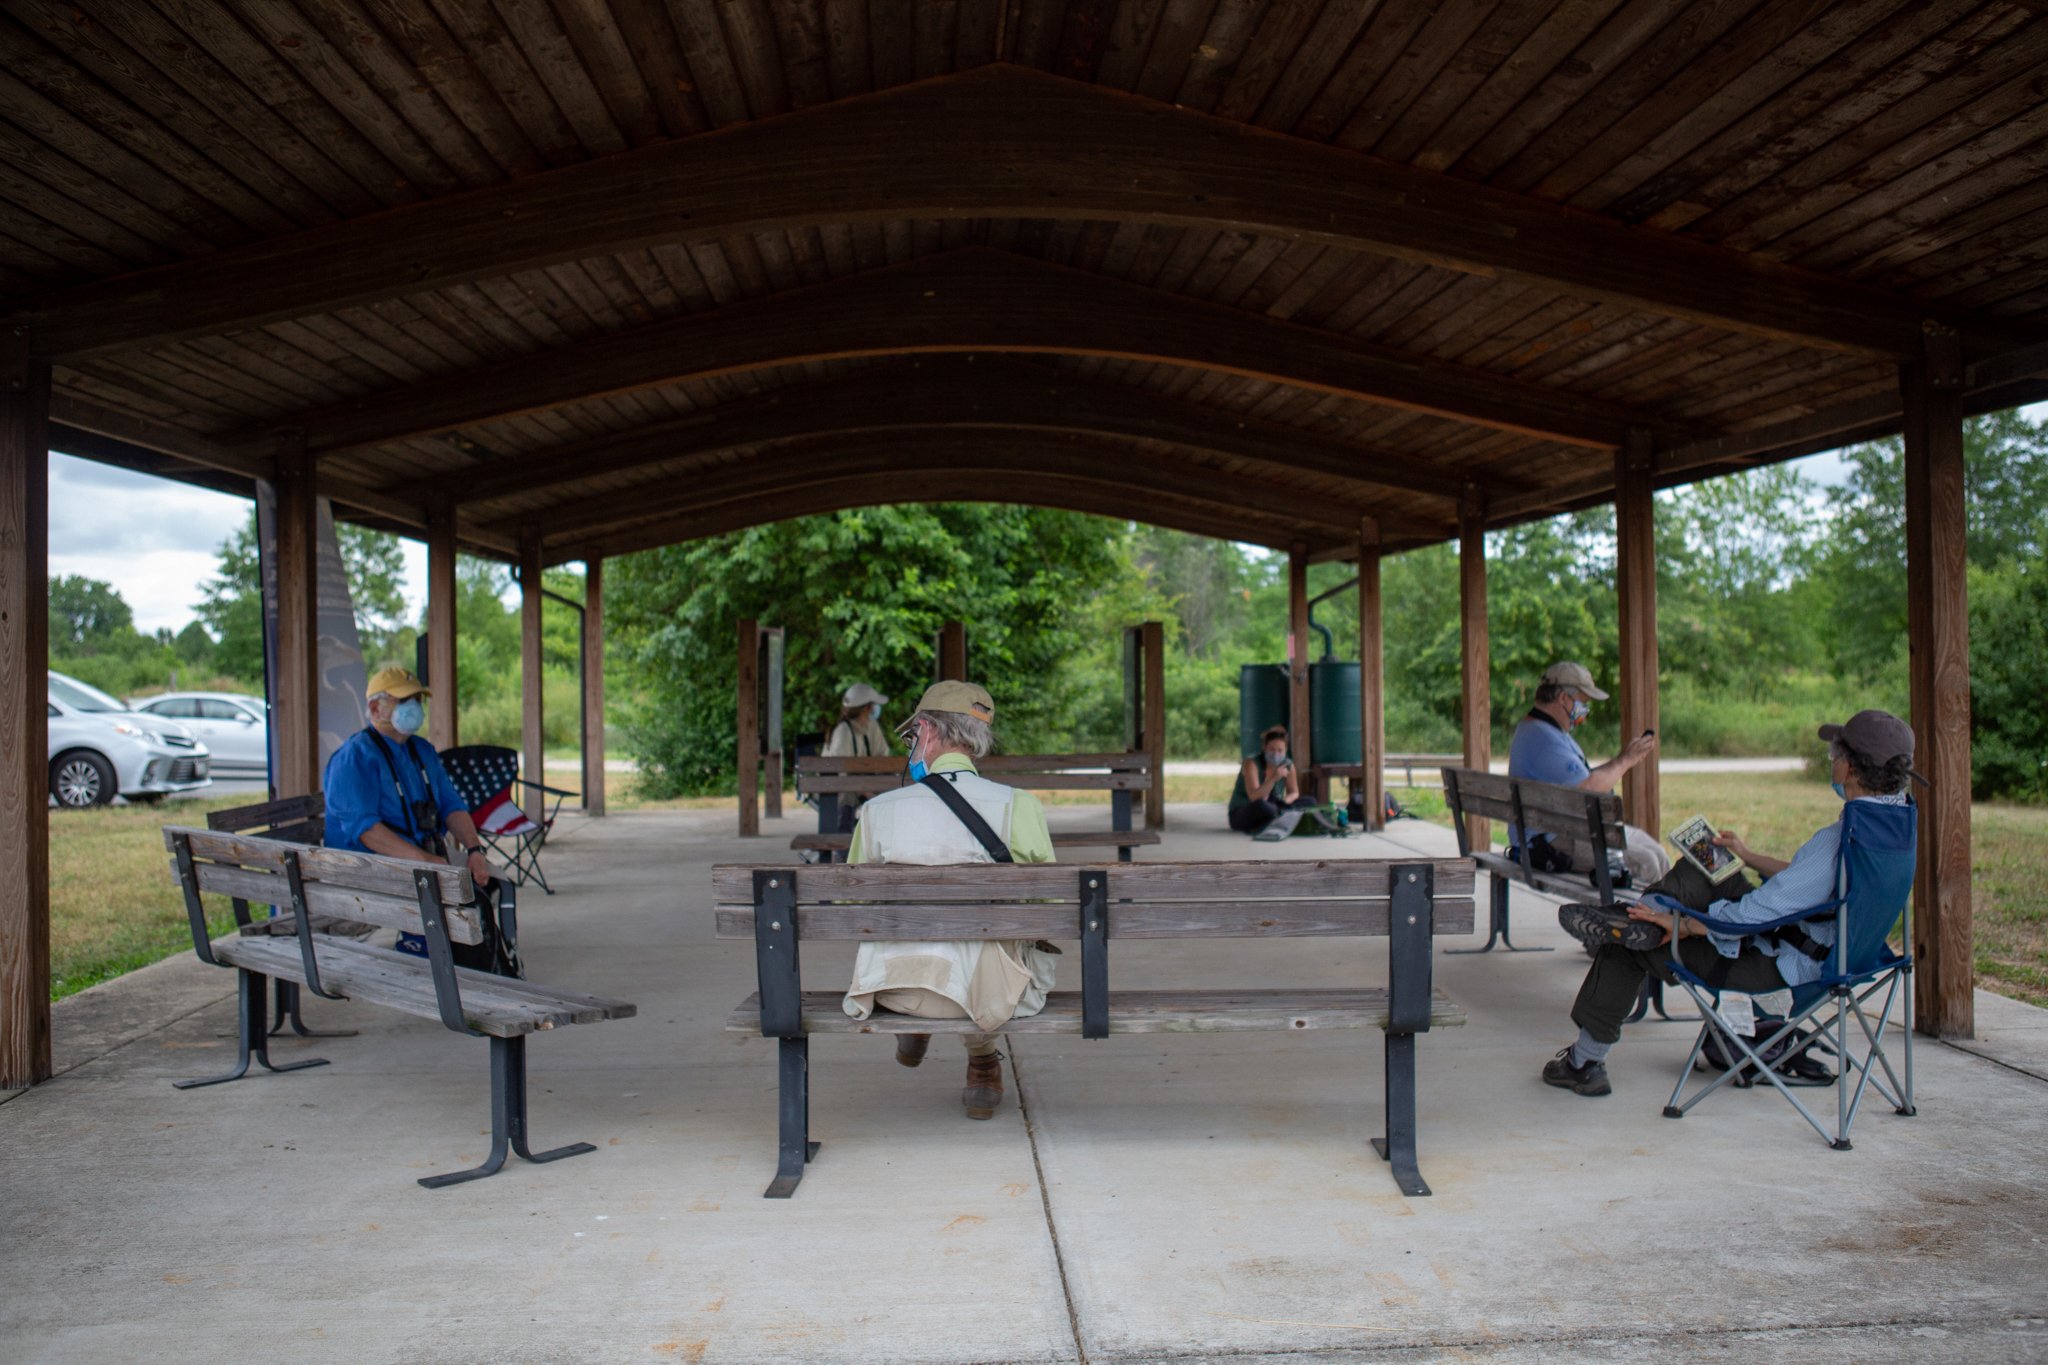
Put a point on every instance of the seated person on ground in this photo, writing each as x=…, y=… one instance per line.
x=1872, y=756
x=1543, y=750
x=1267, y=784
x=987, y=981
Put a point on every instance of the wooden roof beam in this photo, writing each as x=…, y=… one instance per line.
x=980, y=391
x=871, y=490
x=976, y=299
x=992, y=142
x=990, y=454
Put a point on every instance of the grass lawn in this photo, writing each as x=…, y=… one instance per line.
x=114, y=908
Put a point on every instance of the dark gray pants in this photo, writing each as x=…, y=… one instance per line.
x=1608, y=993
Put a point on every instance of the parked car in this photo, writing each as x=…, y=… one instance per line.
x=236, y=728
x=100, y=749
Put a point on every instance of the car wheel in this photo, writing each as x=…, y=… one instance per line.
x=82, y=779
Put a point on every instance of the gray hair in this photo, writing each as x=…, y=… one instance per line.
x=1880, y=779
x=1548, y=692
x=958, y=731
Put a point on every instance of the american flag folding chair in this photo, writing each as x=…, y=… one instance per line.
x=484, y=776
x=1862, y=977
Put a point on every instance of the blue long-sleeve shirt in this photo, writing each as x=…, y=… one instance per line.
x=361, y=793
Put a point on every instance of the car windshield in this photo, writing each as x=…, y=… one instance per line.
x=79, y=697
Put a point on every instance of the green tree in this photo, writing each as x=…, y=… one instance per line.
x=2009, y=677
x=231, y=602
x=87, y=616
x=862, y=594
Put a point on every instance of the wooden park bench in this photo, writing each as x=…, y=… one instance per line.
x=296, y=820
x=1406, y=902
x=1124, y=776
x=429, y=899
x=1578, y=821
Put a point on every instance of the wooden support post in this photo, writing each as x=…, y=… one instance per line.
x=1635, y=574
x=1372, y=678
x=771, y=734
x=1938, y=629
x=593, y=687
x=1152, y=652
x=952, y=652
x=532, y=701
x=1299, y=741
x=747, y=752
x=295, y=707
x=443, y=714
x=1476, y=711
x=24, y=713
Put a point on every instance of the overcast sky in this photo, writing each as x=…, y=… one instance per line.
x=155, y=539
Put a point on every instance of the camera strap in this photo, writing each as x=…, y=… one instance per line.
x=969, y=816
x=413, y=830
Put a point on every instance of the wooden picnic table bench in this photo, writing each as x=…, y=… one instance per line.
x=1123, y=776
x=1405, y=901
x=430, y=899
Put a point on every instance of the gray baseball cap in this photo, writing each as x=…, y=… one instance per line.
x=1876, y=736
x=1575, y=676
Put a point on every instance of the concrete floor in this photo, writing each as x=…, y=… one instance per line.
x=1182, y=1198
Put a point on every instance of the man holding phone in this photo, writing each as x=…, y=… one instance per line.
x=1543, y=750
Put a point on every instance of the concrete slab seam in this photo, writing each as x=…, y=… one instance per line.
x=6, y=1095
x=1987, y=1057
x=1045, y=1202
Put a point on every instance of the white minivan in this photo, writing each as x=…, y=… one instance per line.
x=99, y=749
x=234, y=726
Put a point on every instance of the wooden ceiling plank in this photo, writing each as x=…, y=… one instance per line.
x=1935, y=116
x=511, y=122
x=1177, y=35
x=84, y=206
x=1276, y=45
x=1446, y=31
x=975, y=300
x=2001, y=234
x=651, y=39
x=1475, y=60
x=1393, y=23
x=850, y=170
x=1233, y=27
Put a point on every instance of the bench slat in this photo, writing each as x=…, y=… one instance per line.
x=1571, y=885
x=1132, y=1012
x=964, y=883
x=339, y=902
x=501, y=1006
x=362, y=871
x=1165, y=919
x=1549, y=808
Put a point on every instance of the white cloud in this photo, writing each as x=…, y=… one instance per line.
x=155, y=539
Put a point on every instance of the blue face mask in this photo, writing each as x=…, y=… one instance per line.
x=875, y=711
x=1840, y=790
x=408, y=716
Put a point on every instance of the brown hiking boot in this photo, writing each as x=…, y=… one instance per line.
x=984, y=1085
x=911, y=1047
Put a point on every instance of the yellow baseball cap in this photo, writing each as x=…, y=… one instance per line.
x=963, y=698
x=399, y=682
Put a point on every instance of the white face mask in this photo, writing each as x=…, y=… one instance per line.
x=875, y=712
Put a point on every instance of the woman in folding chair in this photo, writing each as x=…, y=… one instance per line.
x=1872, y=757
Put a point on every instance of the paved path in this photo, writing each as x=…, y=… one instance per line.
x=1150, y=1199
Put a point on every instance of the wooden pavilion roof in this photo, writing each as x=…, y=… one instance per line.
x=621, y=272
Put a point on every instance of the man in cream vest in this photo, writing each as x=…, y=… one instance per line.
x=987, y=981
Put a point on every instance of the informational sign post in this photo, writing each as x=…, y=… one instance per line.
x=342, y=710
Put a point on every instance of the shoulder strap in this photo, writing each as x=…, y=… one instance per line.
x=969, y=816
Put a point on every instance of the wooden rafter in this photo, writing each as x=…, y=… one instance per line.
x=978, y=391
x=871, y=490
x=990, y=454
x=994, y=142
x=971, y=300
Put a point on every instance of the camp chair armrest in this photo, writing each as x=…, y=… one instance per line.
x=1744, y=928
x=544, y=787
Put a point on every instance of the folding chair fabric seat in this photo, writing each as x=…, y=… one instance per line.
x=485, y=776
x=1873, y=889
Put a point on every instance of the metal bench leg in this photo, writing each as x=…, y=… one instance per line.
x=793, y=1060
x=1398, y=1146
x=250, y=1038
x=508, y=1118
x=1650, y=997
x=286, y=995
x=1497, y=923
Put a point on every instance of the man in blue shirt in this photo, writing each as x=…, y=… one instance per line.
x=387, y=793
x=1872, y=758
x=1543, y=750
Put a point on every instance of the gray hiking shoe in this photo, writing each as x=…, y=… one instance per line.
x=1589, y=1080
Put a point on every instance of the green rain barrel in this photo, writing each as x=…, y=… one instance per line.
x=1333, y=711
x=1261, y=702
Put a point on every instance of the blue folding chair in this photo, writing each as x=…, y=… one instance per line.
x=1873, y=889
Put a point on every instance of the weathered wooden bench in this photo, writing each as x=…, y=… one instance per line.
x=429, y=899
x=1578, y=821
x=1124, y=776
x=296, y=820
x=1406, y=902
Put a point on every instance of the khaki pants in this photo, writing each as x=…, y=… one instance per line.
x=919, y=1003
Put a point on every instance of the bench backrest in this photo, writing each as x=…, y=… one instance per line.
x=817, y=776
x=363, y=887
x=779, y=906
x=1576, y=819
x=294, y=819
